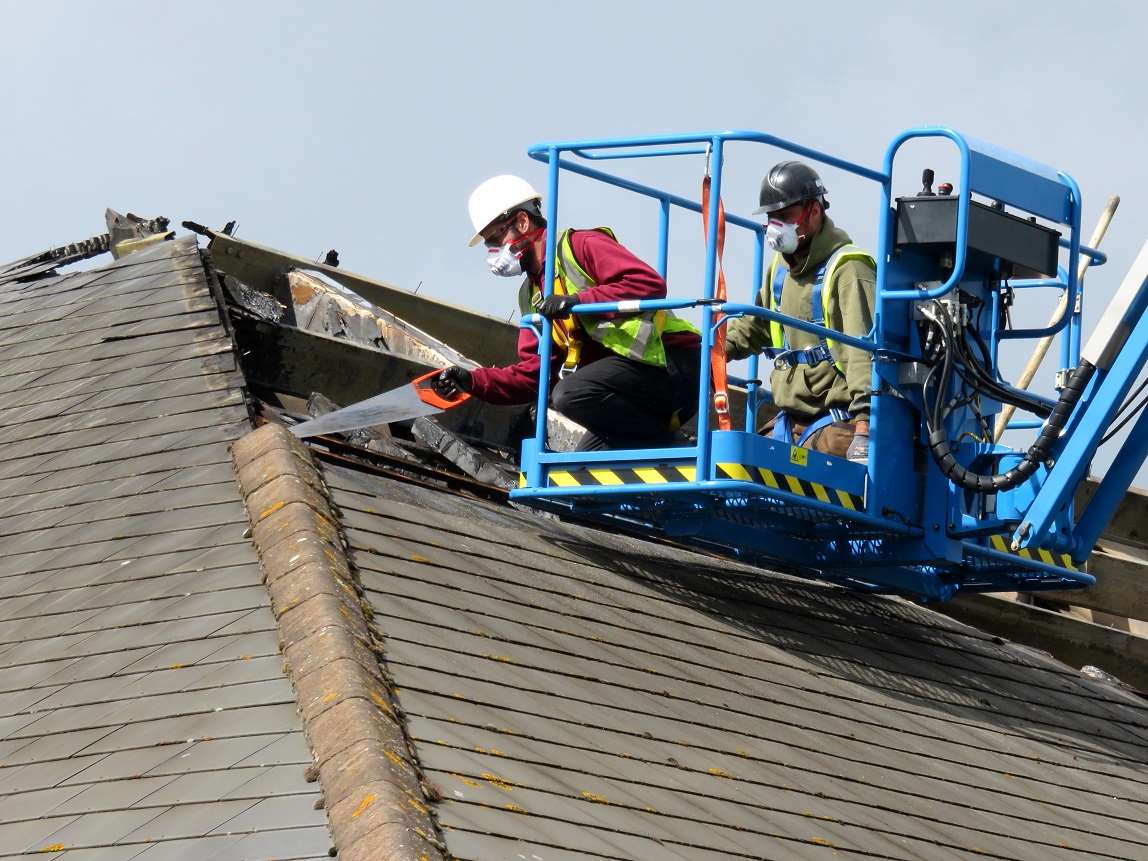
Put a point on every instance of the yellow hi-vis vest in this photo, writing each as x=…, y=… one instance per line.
x=823, y=286
x=634, y=336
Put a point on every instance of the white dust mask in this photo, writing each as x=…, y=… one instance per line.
x=781, y=236
x=502, y=261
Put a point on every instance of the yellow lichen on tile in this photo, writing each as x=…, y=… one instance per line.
x=271, y=509
x=367, y=801
x=396, y=759
x=495, y=780
x=597, y=799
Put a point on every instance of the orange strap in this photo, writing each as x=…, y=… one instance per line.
x=717, y=354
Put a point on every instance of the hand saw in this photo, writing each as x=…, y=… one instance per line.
x=416, y=398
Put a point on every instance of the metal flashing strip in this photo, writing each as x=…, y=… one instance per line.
x=373, y=788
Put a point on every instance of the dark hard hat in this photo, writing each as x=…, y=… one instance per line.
x=789, y=182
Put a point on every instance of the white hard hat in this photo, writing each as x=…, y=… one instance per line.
x=496, y=196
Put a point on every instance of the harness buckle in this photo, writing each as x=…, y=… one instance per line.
x=806, y=356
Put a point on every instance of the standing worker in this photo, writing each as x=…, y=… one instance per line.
x=629, y=379
x=821, y=388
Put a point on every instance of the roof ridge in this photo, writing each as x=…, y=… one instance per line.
x=376, y=798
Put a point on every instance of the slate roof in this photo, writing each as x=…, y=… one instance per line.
x=575, y=695
x=568, y=694
x=144, y=712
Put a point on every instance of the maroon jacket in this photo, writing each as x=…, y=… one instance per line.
x=618, y=275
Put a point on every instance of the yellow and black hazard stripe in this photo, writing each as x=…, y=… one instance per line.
x=659, y=474
x=673, y=473
x=1002, y=544
x=791, y=484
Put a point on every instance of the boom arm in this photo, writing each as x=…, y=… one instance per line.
x=1117, y=350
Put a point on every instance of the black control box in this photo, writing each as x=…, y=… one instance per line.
x=930, y=223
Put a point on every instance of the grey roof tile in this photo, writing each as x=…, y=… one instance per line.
x=293, y=843
x=134, y=709
x=574, y=692
x=103, y=853
x=221, y=753
x=18, y=806
x=123, y=765
x=271, y=780
x=269, y=813
x=62, y=748
x=217, y=648
x=288, y=748
x=100, y=829
x=259, y=720
x=184, y=820
x=32, y=835
x=25, y=699
x=137, y=647
x=112, y=795
x=194, y=849
x=203, y=786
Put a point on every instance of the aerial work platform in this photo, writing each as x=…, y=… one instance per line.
x=940, y=507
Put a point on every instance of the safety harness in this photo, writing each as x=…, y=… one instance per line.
x=633, y=336
x=787, y=356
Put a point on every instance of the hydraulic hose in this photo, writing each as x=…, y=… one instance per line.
x=1036, y=455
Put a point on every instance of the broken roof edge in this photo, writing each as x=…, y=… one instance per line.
x=467, y=331
x=377, y=803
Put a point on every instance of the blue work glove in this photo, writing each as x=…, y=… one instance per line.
x=452, y=381
x=557, y=306
x=858, y=450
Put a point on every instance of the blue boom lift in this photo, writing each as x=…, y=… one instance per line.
x=940, y=507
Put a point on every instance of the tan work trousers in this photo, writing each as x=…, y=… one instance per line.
x=832, y=439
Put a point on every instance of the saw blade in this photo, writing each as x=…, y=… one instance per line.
x=397, y=405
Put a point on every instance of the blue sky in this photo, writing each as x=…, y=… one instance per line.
x=364, y=126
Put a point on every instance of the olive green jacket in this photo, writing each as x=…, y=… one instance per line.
x=807, y=391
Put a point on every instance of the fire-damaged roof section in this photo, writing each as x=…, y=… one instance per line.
x=575, y=694
x=144, y=712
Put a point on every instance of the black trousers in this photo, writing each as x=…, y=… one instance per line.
x=624, y=403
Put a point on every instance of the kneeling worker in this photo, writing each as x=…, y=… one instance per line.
x=821, y=388
x=630, y=379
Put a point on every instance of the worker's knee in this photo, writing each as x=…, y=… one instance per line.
x=832, y=439
x=570, y=398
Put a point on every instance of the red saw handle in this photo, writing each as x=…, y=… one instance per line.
x=424, y=386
